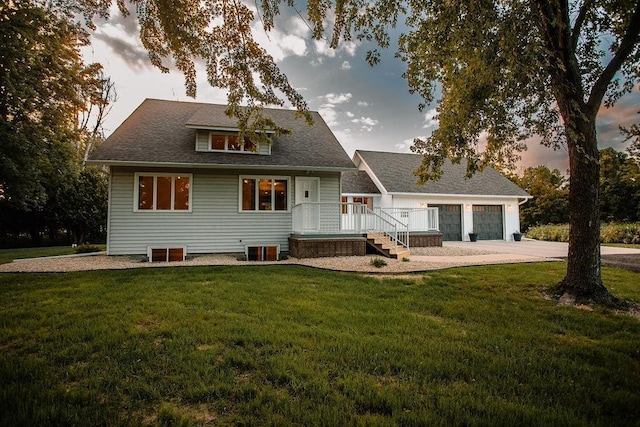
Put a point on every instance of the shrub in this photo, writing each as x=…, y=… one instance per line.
x=620, y=233
x=609, y=233
x=378, y=262
x=550, y=232
x=86, y=249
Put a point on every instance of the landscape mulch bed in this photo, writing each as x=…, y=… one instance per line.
x=628, y=261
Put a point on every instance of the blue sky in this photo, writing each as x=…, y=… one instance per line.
x=367, y=108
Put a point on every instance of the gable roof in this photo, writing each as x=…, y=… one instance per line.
x=156, y=134
x=395, y=172
x=358, y=182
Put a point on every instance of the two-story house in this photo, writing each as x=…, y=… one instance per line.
x=182, y=182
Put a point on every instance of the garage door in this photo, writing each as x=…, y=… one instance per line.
x=450, y=222
x=487, y=222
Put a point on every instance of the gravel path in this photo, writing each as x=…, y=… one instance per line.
x=422, y=259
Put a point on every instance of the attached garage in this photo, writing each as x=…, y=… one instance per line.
x=488, y=222
x=487, y=203
x=450, y=221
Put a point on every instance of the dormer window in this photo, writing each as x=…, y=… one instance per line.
x=231, y=142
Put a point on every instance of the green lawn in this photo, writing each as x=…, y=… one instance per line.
x=278, y=345
x=8, y=255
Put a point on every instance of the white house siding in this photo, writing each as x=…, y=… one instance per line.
x=214, y=224
x=202, y=141
x=264, y=149
x=510, y=209
x=330, y=193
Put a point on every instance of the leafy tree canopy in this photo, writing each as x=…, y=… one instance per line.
x=549, y=190
x=40, y=70
x=508, y=70
x=502, y=65
x=619, y=187
x=47, y=94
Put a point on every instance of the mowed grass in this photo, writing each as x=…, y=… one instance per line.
x=8, y=255
x=281, y=345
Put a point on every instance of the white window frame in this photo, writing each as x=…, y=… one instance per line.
x=256, y=178
x=155, y=175
x=226, y=144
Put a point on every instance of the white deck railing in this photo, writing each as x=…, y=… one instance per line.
x=384, y=225
x=355, y=218
x=416, y=219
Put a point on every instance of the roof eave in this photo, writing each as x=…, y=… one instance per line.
x=217, y=166
x=223, y=128
x=504, y=196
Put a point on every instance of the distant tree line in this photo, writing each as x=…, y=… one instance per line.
x=52, y=106
x=619, y=191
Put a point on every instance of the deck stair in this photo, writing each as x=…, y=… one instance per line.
x=387, y=247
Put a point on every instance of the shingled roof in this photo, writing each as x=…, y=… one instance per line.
x=358, y=182
x=161, y=133
x=395, y=173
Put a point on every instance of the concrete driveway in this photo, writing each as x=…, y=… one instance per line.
x=534, y=248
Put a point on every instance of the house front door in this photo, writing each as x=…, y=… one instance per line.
x=307, y=190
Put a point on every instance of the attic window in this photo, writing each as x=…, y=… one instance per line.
x=231, y=142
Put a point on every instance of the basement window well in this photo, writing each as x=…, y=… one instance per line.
x=262, y=253
x=166, y=254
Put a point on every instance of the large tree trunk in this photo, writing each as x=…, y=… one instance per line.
x=583, y=279
x=584, y=276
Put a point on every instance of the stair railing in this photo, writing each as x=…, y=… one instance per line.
x=383, y=225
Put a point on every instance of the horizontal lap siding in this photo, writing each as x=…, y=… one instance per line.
x=213, y=226
x=202, y=141
x=330, y=215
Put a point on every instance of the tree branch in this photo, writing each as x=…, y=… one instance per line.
x=577, y=26
x=626, y=47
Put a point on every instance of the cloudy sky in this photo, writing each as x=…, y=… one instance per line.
x=366, y=108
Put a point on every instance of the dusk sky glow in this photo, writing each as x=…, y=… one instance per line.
x=368, y=108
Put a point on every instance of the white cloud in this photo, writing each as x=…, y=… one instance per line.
x=338, y=98
x=298, y=27
x=431, y=119
x=367, y=123
x=328, y=114
x=322, y=48
x=347, y=140
x=345, y=65
x=349, y=47
x=405, y=146
x=295, y=44
x=363, y=104
x=350, y=114
x=279, y=44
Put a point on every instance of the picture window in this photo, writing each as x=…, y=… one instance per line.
x=163, y=192
x=264, y=194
